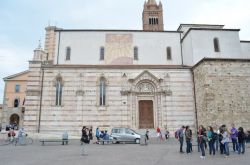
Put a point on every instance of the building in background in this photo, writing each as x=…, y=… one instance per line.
x=14, y=99
x=141, y=79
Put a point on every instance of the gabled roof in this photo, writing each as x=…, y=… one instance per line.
x=15, y=75
x=145, y=72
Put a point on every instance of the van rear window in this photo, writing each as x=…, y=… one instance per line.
x=116, y=131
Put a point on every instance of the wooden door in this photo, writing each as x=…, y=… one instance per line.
x=146, y=115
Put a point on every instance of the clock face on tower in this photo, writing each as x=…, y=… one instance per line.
x=119, y=49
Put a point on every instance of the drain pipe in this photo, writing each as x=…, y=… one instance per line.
x=41, y=98
x=195, y=103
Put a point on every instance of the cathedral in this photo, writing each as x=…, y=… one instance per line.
x=140, y=79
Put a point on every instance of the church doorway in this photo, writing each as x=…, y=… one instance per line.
x=146, y=115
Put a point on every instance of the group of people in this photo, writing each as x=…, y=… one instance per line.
x=214, y=138
x=101, y=135
x=160, y=135
x=17, y=135
x=87, y=136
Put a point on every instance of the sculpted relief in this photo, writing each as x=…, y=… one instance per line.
x=145, y=87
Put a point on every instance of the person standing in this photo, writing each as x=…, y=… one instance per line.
x=159, y=134
x=211, y=139
x=84, y=140
x=146, y=137
x=202, y=139
x=234, y=135
x=97, y=135
x=166, y=134
x=180, y=136
x=225, y=140
x=220, y=137
x=241, y=140
x=90, y=133
x=188, y=135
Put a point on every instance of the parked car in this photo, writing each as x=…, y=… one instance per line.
x=125, y=135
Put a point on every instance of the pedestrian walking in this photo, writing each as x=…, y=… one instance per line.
x=146, y=137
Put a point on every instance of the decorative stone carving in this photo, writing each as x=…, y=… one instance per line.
x=145, y=87
x=79, y=93
x=125, y=92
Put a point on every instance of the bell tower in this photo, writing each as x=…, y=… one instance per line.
x=152, y=16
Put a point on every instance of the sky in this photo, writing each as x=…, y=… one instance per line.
x=22, y=22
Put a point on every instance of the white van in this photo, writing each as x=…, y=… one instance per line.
x=125, y=135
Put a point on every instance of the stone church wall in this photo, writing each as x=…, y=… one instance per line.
x=173, y=99
x=222, y=88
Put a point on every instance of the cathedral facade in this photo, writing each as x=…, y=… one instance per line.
x=198, y=74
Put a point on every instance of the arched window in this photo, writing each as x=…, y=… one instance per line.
x=135, y=53
x=102, y=92
x=150, y=21
x=16, y=103
x=169, y=53
x=59, y=91
x=68, y=52
x=102, y=52
x=216, y=45
x=157, y=21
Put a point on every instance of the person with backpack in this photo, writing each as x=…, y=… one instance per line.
x=241, y=140
x=211, y=140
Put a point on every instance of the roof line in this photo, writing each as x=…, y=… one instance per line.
x=114, y=30
x=15, y=75
x=245, y=41
x=219, y=59
x=199, y=25
x=208, y=29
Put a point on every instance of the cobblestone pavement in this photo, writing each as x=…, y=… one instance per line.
x=156, y=153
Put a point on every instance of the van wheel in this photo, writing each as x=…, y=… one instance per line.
x=137, y=141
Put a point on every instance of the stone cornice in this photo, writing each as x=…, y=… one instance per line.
x=163, y=92
x=64, y=66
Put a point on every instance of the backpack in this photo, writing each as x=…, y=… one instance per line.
x=176, y=134
x=85, y=139
x=214, y=136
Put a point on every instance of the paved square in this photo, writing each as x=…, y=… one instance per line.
x=113, y=154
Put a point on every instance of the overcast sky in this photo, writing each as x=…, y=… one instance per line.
x=22, y=22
